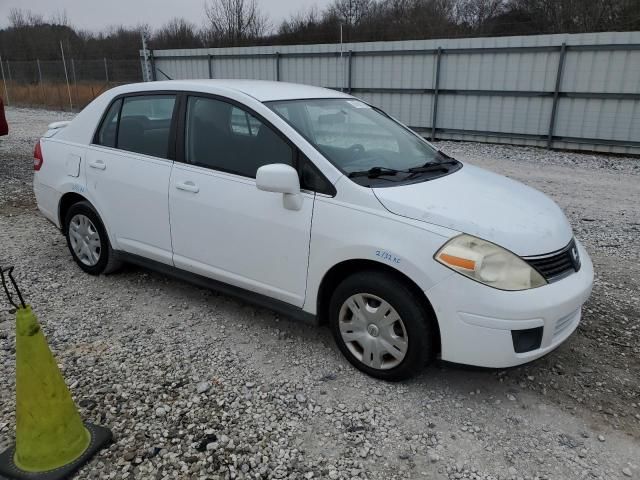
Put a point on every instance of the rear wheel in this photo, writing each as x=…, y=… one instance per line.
x=381, y=326
x=87, y=240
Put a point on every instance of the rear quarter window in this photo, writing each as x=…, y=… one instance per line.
x=107, y=132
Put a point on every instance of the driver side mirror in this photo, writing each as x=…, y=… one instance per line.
x=281, y=178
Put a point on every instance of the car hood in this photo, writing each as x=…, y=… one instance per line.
x=484, y=204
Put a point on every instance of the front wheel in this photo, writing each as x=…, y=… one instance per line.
x=87, y=240
x=381, y=326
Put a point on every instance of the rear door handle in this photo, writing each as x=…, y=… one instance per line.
x=188, y=187
x=99, y=164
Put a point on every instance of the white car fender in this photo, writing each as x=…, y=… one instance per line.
x=337, y=237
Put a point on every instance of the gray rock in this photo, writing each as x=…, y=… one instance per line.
x=203, y=387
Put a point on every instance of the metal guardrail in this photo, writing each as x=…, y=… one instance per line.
x=556, y=94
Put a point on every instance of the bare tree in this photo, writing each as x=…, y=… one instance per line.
x=351, y=12
x=233, y=22
x=556, y=16
x=19, y=18
x=177, y=33
x=433, y=18
x=401, y=19
x=300, y=21
x=60, y=17
x=16, y=18
x=477, y=13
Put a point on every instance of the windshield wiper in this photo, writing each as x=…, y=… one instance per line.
x=433, y=166
x=375, y=172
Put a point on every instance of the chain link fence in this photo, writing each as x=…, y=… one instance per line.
x=67, y=85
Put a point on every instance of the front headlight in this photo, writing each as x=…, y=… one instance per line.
x=488, y=263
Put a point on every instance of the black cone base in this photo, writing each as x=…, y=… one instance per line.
x=100, y=437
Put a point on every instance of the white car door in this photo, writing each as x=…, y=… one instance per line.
x=128, y=174
x=222, y=226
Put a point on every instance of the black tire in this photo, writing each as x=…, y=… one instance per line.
x=107, y=261
x=418, y=321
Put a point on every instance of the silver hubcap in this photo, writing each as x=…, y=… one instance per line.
x=373, y=331
x=85, y=240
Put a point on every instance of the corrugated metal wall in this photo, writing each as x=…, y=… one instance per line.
x=565, y=91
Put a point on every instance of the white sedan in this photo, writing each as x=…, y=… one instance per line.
x=318, y=205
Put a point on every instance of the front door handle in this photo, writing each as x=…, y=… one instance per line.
x=99, y=164
x=188, y=187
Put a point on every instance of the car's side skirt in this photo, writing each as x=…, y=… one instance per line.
x=260, y=300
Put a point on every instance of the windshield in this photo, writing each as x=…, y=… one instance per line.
x=357, y=138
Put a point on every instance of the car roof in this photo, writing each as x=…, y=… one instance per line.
x=261, y=90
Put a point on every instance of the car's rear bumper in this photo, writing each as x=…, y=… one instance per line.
x=476, y=321
x=47, y=199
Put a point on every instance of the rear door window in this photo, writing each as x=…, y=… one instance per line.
x=145, y=123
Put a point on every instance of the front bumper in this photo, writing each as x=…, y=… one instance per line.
x=476, y=320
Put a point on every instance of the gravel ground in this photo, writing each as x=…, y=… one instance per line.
x=198, y=385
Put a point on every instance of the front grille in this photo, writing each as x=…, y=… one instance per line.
x=557, y=265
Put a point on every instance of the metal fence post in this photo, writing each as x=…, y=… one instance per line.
x=9, y=71
x=556, y=93
x=434, y=113
x=106, y=70
x=210, y=65
x=349, y=73
x=277, y=66
x=6, y=90
x=39, y=71
x=66, y=75
x=75, y=81
x=44, y=95
x=149, y=69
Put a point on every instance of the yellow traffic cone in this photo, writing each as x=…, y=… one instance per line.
x=51, y=440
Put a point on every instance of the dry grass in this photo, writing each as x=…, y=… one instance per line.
x=53, y=95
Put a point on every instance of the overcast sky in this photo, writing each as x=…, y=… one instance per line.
x=97, y=14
